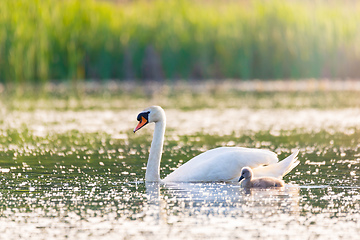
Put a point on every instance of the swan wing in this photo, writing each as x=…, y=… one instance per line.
x=221, y=164
x=277, y=170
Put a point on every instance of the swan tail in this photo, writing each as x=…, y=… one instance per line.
x=280, y=169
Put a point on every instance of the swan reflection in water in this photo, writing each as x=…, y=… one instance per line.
x=165, y=200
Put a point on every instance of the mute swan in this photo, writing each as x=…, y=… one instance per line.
x=221, y=164
x=247, y=181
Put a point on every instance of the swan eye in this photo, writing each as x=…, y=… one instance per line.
x=143, y=119
x=143, y=114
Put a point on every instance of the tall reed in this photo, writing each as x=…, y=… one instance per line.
x=46, y=40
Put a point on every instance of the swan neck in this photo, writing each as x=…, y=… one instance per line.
x=153, y=166
x=245, y=183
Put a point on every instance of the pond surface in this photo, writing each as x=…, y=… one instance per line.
x=79, y=173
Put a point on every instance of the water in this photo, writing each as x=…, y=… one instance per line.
x=79, y=173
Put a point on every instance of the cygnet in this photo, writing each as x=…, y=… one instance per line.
x=265, y=182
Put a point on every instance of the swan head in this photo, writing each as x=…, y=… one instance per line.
x=246, y=173
x=148, y=115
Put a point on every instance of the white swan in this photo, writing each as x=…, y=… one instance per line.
x=220, y=164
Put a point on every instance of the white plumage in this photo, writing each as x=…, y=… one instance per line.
x=219, y=164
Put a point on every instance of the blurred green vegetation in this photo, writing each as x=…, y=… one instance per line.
x=73, y=40
x=65, y=99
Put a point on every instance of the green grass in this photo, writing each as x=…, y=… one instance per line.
x=46, y=40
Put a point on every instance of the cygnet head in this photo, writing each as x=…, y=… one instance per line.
x=246, y=173
x=148, y=115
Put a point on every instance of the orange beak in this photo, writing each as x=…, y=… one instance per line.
x=142, y=123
